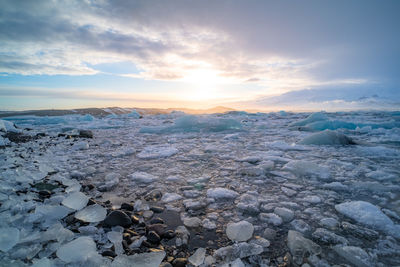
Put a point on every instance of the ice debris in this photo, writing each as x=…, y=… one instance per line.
x=198, y=257
x=9, y=237
x=307, y=168
x=369, y=215
x=78, y=250
x=240, y=231
x=327, y=137
x=157, y=151
x=299, y=246
x=92, y=213
x=151, y=259
x=221, y=193
x=76, y=201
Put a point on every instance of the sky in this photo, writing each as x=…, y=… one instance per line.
x=264, y=55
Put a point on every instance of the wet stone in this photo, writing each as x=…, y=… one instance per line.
x=158, y=228
x=157, y=209
x=156, y=220
x=126, y=206
x=179, y=262
x=153, y=237
x=108, y=253
x=117, y=217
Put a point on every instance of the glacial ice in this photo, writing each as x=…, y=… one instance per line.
x=78, y=250
x=92, y=213
x=317, y=116
x=191, y=123
x=369, y=215
x=170, y=197
x=198, y=257
x=327, y=137
x=9, y=237
x=150, y=259
x=116, y=239
x=154, y=152
x=142, y=177
x=240, y=231
x=76, y=201
x=307, y=168
x=7, y=126
x=299, y=246
x=221, y=193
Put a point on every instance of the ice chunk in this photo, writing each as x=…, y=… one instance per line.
x=4, y=141
x=299, y=246
x=191, y=123
x=369, y=215
x=9, y=237
x=327, y=137
x=51, y=212
x=354, y=255
x=151, y=259
x=307, y=168
x=78, y=250
x=154, y=152
x=116, y=239
x=92, y=213
x=198, y=257
x=7, y=126
x=143, y=177
x=286, y=214
x=170, y=197
x=318, y=116
x=82, y=145
x=43, y=262
x=134, y=115
x=192, y=222
x=248, y=204
x=76, y=201
x=221, y=193
x=57, y=232
x=240, y=231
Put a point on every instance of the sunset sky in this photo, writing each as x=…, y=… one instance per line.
x=294, y=55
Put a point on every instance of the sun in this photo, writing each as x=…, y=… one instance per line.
x=203, y=84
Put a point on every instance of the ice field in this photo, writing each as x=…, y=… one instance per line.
x=233, y=189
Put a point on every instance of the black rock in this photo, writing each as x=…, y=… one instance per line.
x=157, y=209
x=179, y=262
x=156, y=220
x=134, y=219
x=169, y=234
x=109, y=253
x=153, y=237
x=118, y=217
x=158, y=228
x=85, y=134
x=45, y=193
x=126, y=206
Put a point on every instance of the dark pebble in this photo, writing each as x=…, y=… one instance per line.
x=153, y=237
x=126, y=206
x=90, y=186
x=158, y=228
x=85, y=134
x=157, y=209
x=44, y=193
x=179, y=262
x=91, y=202
x=134, y=219
x=131, y=232
x=156, y=220
x=118, y=217
x=109, y=253
x=169, y=234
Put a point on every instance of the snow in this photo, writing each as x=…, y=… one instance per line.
x=92, y=213
x=9, y=237
x=154, y=152
x=76, y=201
x=221, y=193
x=78, y=250
x=369, y=215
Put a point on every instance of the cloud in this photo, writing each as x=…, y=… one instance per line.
x=281, y=46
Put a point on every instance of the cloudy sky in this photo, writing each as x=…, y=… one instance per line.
x=292, y=55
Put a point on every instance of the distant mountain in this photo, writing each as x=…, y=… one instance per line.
x=110, y=110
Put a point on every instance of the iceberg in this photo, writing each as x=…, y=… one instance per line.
x=191, y=123
x=327, y=137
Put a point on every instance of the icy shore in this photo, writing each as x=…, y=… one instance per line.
x=234, y=189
